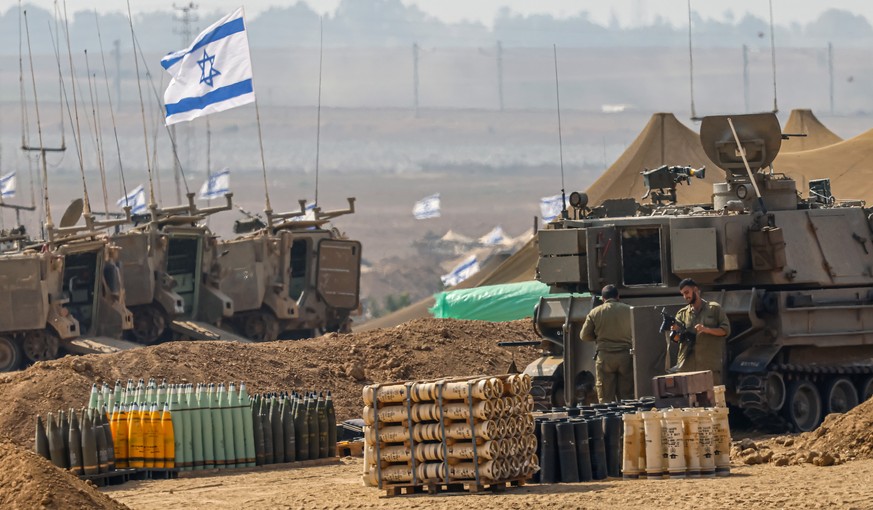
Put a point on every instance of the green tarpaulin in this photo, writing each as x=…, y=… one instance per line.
x=495, y=303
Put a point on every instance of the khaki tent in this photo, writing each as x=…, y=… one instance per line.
x=848, y=164
x=664, y=141
x=803, y=121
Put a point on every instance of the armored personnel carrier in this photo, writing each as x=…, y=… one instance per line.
x=173, y=275
x=793, y=274
x=297, y=278
x=62, y=293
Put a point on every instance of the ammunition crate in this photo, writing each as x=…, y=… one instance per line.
x=684, y=389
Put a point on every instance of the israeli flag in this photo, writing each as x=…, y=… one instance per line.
x=136, y=199
x=551, y=207
x=216, y=186
x=461, y=272
x=7, y=185
x=427, y=207
x=213, y=74
x=309, y=213
x=495, y=237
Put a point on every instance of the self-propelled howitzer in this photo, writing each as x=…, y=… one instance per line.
x=793, y=274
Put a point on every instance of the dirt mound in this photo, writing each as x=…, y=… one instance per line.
x=30, y=481
x=839, y=438
x=420, y=349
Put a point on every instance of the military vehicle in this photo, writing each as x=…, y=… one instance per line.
x=297, y=278
x=793, y=274
x=173, y=275
x=62, y=293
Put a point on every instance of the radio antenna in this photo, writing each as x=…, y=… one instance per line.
x=318, y=121
x=560, y=138
x=773, y=58
x=691, y=66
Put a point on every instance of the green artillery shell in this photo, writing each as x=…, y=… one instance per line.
x=90, y=460
x=55, y=442
x=178, y=428
x=248, y=426
x=74, y=440
x=218, y=430
x=301, y=430
x=268, y=432
x=278, y=433
x=237, y=411
x=205, y=399
x=110, y=444
x=288, y=431
x=64, y=426
x=321, y=414
x=227, y=419
x=92, y=400
x=258, y=432
x=331, y=426
x=312, y=420
x=196, y=428
x=96, y=431
x=188, y=430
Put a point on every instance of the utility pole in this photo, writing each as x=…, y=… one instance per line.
x=500, y=73
x=415, y=76
x=186, y=18
x=746, y=76
x=831, y=74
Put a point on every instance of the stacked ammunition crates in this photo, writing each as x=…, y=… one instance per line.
x=473, y=431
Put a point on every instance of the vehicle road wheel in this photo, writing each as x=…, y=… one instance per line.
x=841, y=395
x=803, y=407
x=775, y=391
x=866, y=389
x=40, y=346
x=261, y=327
x=149, y=324
x=11, y=356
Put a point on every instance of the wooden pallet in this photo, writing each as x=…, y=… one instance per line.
x=470, y=487
x=350, y=449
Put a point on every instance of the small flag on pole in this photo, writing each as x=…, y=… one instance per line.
x=213, y=74
x=495, y=237
x=551, y=207
x=136, y=199
x=216, y=186
x=427, y=207
x=461, y=272
x=309, y=213
x=7, y=185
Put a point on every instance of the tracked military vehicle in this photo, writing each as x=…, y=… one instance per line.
x=793, y=274
x=62, y=294
x=297, y=278
x=173, y=275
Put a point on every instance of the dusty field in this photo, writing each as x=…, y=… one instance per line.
x=331, y=487
x=344, y=363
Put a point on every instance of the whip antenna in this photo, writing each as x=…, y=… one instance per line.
x=318, y=121
x=560, y=138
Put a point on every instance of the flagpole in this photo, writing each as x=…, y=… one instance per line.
x=268, y=209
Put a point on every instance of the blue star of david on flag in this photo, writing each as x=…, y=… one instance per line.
x=213, y=72
x=197, y=87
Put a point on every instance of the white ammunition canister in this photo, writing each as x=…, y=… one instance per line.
x=706, y=438
x=631, y=449
x=722, y=439
x=388, y=414
x=674, y=443
x=654, y=446
x=691, y=435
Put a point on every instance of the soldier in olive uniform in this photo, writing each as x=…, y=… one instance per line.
x=609, y=325
x=708, y=320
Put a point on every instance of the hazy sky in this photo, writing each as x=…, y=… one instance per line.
x=628, y=12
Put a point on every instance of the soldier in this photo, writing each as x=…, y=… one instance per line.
x=708, y=320
x=609, y=325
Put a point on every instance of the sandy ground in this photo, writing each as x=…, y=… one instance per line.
x=331, y=487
